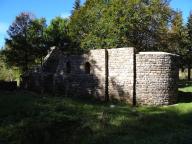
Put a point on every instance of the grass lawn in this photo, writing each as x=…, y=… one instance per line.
x=186, y=89
x=185, y=86
x=27, y=118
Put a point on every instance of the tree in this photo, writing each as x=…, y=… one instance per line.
x=177, y=34
x=26, y=43
x=36, y=33
x=189, y=26
x=189, y=55
x=18, y=51
x=57, y=33
x=118, y=23
x=7, y=73
x=77, y=5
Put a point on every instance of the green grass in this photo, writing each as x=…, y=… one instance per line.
x=185, y=86
x=186, y=89
x=27, y=118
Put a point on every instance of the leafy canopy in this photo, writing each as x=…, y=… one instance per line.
x=118, y=23
x=26, y=42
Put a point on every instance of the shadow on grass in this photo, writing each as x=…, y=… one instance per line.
x=184, y=83
x=184, y=97
x=150, y=125
x=29, y=119
x=185, y=91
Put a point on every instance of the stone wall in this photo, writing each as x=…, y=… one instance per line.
x=110, y=74
x=121, y=73
x=82, y=75
x=156, y=79
x=148, y=78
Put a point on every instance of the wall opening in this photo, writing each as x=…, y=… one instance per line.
x=134, y=80
x=106, y=75
x=68, y=67
x=87, y=68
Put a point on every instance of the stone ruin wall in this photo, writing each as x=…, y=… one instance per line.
x=121, y=74
x=77, y=81
x=110, y=74
x=156, y=78
x=144, y=78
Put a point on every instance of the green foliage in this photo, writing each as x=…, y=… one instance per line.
x=187, y=54
x=7, y=73
x=26, y=41
x=57, y=33
x=29, y=118
x=117, y=23
x=189, y=26
x=145, y=25
x=17, y=49
x=77, y=5
x=178, y=35
x=37, y=38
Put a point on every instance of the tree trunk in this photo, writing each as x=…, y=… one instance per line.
x=41, y=63
x=26, y=63
x=189, y=72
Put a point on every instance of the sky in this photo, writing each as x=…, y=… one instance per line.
x=52, y=8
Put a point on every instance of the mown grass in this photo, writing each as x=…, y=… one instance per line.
x=185, y=86
x=186, y=89
x=28, y=118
